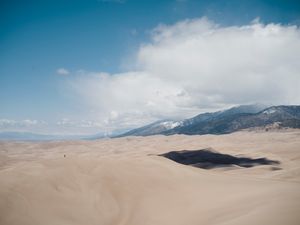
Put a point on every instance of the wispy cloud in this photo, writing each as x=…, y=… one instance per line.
x=63, y=126
x=134, y=32
x=66, y=122
x=7, y=123
x=62, y=71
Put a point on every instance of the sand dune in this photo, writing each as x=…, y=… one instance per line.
x=124, y=181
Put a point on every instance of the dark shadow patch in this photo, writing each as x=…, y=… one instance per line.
x=209, y=159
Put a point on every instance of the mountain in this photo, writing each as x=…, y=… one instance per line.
x=220, y=122
x=227, y=121
x=250, y=109
x=27, y=136
x=233, y=120
x=152, y=129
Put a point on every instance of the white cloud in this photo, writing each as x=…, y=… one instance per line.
x=7, y=123
x=62, y=71
x=194, y=66
x=65, y=122
x=61, y=127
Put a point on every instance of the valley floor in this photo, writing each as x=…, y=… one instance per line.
x=123, y=181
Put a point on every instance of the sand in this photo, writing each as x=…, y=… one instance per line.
x=123, y=181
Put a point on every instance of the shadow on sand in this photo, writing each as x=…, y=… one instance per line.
x=209, y=159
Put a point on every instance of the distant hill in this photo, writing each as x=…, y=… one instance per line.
x=152, y=129
x=220, y=122
x=27, y=136
x=226, y=121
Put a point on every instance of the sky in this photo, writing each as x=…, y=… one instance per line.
x=98, y=66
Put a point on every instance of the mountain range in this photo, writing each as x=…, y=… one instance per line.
x=220, y=122
x=226, y=121
x=28, y=136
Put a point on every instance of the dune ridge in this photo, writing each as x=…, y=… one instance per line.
x=124, y=181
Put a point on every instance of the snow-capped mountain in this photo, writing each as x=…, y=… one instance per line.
x=153, y=128
x=226, y=121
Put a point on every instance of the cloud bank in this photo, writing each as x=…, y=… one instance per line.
x=20, y=125
x=64, y=126
x=195, y=66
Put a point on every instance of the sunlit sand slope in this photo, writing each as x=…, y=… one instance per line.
x=123, y=181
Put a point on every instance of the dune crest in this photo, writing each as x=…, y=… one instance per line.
x=123, y=181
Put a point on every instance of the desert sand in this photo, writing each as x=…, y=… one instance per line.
x=124, y=181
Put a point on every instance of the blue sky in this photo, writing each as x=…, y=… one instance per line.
x=48, y=47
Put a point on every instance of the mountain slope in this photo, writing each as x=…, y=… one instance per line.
x=255, y=108
x=152, y=129
x=226, y=121
x=284, y=116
